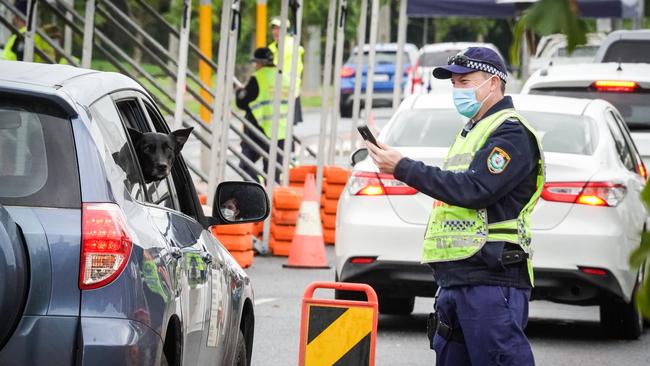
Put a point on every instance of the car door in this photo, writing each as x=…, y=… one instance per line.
x=214, y=277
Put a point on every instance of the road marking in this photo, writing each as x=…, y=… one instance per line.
x=264, y=301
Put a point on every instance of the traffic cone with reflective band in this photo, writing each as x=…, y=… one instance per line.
x=307, y=247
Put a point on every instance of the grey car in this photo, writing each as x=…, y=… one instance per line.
x=97, y=266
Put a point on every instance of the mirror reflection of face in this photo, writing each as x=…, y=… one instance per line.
x=230, y=209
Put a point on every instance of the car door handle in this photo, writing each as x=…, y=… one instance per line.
x=176, y=252
x=207, y=257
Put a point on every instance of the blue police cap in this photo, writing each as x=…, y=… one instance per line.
x=473, y=59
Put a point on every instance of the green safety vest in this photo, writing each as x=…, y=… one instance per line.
x=455, y=233
x=10, y=55
x=262, y=106
x=286, y=66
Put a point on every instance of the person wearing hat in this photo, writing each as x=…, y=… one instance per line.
x=14, y=49
x=276, y=23
x=478, y=237
x=256, y=100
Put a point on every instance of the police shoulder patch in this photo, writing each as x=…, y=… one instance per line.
x=497, y=161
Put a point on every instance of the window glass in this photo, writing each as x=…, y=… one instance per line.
x=622, y=148
x=628, y=51
x=120, y=162
x=145, y=146
x=381, y=57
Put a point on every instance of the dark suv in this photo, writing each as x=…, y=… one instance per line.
x=97, y=266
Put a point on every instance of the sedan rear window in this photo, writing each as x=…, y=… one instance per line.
x=628, y=51
x=438, y=128
x=37, y=158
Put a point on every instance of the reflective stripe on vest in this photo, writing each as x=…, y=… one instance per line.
x=286, y=66
x=456, y=233
x=262, y=106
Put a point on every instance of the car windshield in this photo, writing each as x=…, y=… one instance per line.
x=628, y=51
x=438, y=128
x=439, y=58
x=634, y=107
x=381, y=57
x=580, y=51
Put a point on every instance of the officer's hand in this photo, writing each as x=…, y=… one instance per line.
x=384, y=156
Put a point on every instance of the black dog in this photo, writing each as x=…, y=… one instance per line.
x=155, y=151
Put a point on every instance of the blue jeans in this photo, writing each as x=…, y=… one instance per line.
x=492, y=319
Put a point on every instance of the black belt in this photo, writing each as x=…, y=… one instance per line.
x=513, y=256
x=437, y=326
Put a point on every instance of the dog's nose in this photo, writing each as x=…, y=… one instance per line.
x=162, y=166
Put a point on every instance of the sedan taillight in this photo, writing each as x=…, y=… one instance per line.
x=585, y=193
x=378, y=184
x=105, y=245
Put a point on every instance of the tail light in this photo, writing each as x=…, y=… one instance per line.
x=417, y=77
x=362, y=260
x=594, y=271
x=378, y=184
x=105, y=245
x=615, y=86
x=641, y=170
x=347, y=72
x=585, y=193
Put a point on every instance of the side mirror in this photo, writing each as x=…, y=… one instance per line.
x=359, y=155
x=240, y=202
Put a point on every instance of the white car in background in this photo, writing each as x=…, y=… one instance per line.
x=421, y=81
x=626, y=86
x=587, y=222
x=552, y=50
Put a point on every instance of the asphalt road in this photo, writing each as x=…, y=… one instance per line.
x=559, y=334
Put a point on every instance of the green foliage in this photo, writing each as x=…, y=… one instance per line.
x=641, y=257
x=547, y=17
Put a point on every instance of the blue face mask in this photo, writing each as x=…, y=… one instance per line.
x=466, y=102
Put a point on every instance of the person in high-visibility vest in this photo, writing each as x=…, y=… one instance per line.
x=256, y=99
x=478, y=236
x=276, y=23
x=14, y=49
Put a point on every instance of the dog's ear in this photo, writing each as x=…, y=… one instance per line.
x=181, y=136
x=135, y=135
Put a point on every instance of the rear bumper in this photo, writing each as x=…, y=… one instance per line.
x=106, y=341
x=392, y=278
x=574, y=287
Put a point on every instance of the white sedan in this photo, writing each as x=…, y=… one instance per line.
x=585, y=225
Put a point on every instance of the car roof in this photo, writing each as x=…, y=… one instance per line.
x=388, y=47
x=524, y=102
x=83, y=85
x=583, y=75
x=437, y=47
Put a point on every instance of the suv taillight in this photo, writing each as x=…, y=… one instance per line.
x=105, y=245
x=585, y=193
x=378, y=184
x=641, y=170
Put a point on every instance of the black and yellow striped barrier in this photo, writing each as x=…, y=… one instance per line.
x=338, y=332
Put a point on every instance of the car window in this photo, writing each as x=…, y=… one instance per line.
x=381, y=57
x=580, y=51
x=633, y=106
x=37, y=165
x=628, y=51
x=439, y=58
x=181, y=185
x=157, y=192
x=438, y=128
x=622, y=147
x=121, y=165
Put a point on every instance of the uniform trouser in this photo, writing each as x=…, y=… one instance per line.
x=492, y=319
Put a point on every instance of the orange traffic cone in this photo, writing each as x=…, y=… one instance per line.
x=307, y=247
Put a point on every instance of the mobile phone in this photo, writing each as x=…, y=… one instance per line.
x=367, y=134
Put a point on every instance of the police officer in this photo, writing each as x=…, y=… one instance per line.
x=256, y=99
x=478, y=237
x=276, y=22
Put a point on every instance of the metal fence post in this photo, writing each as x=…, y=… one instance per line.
x=89, y=30
x=399, y=65
x=277, y=99
x=338, y=61
x=356, y=102
x=182, y=63
x=370, y=74
x=32, y=20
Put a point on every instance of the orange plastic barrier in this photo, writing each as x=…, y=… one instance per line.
x=336, y=175
x=287, y=198
x=235, y=229
x=245, y=259
x=333, y=191
x=282, y=232
x=239, y=245
x=329, y=236
x=330, y=206
x=284, y=217
x=279, y=247
x=333, y=329
x=236, y=243
x=329, y=221
x=299, y=173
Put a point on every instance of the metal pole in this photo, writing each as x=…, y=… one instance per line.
x=32, y=18
x=228, y=84
x=425, y=31
x=338, y=61
x=89, y=30
x=67, y=31
x=325, y=97
x=374, y=15
x=277, y=99
x=399, y=64
x=205, y=45
x=182, y=63
x=217, y=110
x=358, y=73
x=293, y=75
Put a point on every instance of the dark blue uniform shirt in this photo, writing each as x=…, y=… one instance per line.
x=504, y=195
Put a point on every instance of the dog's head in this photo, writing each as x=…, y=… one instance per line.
x=157, y=151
